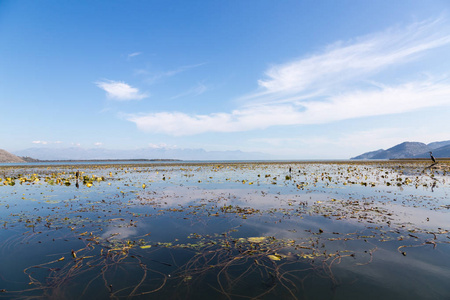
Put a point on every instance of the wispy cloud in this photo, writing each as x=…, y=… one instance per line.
x=120, y=91
x=134, y=54
x=46, y=142
x=169, y=73
x=326, y=87
x=390, y=100
x=162, y=146
x=345, y=62
x=194, y=91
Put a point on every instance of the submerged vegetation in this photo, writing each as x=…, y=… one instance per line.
x=246, y=230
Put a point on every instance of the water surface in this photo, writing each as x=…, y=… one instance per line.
x=331, y=230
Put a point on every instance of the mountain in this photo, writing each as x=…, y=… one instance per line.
x=78, y=153
x=409, y=150
x=369, y=155
x=440, y=152
x=436, y=145
x=403, y=150
x=6, y=157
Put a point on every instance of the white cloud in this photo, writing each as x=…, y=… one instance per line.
x=134, y=54
x=389, y=100
x=46, y=142
x=177, y=123
x=98, y=144
x=321, y=87
x=347, y=62
x=120, y=90
x=161, y=146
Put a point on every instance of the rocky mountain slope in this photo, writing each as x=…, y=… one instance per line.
x=6, y=157
x=409, y=150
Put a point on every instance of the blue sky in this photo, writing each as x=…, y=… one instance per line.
x=294, y=79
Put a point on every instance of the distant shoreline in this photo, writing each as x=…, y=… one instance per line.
x=103, y=160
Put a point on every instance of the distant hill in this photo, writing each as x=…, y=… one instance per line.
x=369, y=155
x=6, y=157
x=436, y=145
x=78, y=153
x=442, y=151
x=29, y=159
x=409, y=150
x=403, y=150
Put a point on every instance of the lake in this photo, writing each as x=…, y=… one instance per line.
x=225, y=230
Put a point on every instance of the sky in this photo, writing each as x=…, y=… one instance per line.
x=292, y=79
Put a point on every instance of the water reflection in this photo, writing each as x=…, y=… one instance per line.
x=329, y=231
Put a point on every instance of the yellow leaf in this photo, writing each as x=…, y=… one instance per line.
x=146, y=246
x=256, y=239
x=274, y=257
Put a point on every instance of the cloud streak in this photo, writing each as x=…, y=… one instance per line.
x=169, y=73
x=390, y=100
x=134, y=54
x=120, y=91
x=46, y=142
x=320, y=88
x=194, y=91
x=346, y=62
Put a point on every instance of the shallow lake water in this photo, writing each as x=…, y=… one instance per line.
x=331, y=230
